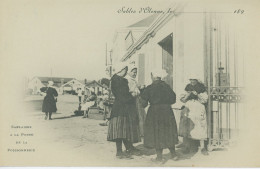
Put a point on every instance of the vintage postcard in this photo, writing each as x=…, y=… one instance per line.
x=142, y=83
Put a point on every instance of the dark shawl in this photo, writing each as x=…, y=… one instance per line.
x=124, y=101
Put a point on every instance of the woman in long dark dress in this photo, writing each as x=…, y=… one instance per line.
x=160, y=129
x=49, y=101
x=123, y=123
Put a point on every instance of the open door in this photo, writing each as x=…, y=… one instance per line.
x=167, y=58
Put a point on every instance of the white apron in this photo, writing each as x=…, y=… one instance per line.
x=197, y=114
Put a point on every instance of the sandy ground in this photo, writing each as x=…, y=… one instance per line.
x=70, y=140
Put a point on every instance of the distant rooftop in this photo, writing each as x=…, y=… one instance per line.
x=54, y=79
x=145, y=22
x=94, y=83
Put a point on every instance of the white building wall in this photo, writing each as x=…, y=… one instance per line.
x=118, y=49
x=193, y=46
x=188, y=48
x=35, y=84
x=119, y=45
x=188, y=52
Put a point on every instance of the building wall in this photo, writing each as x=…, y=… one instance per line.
x=118, y=47
x=188, y=52
x=35, y=84
x=74, y=84
x=196, y=39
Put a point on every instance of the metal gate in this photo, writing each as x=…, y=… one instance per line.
x=224, y=75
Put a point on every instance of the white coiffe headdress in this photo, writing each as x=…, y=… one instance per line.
x=159, y=73
x=131, y=66
x=50, y=83
x=195, y=75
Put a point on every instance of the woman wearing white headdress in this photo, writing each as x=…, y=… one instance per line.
x=160, y=129
x=122, y=126
x=134, y=90
x=193, y=124
x=49, y=101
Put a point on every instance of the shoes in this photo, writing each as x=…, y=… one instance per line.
x=134, y=151
x=46, y=117
x=180, y=145
x=50, y=118
x=103, y=124
x=174, y=157
x=158, y=160
x=85, y=116
x=204, y=152
x=122, y=155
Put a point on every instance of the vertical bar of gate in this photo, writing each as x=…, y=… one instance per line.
x=235, y=77
x=220, y=85
x=228, y=73
x=236, y=65
x=218, y=82
x=209, y=81
x=227, y=88
x=215, y=62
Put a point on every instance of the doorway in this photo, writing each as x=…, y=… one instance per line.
x=167, y=58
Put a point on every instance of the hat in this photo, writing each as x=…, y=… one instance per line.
x=159, y=73
x=119, y=67
x=131, y=67
x=50, y=83
x=194, y=75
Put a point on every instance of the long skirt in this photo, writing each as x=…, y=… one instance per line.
x=197, y=115
x=49, y=104
x=141, y=115
x=87, y=105
x=124, y=127
x=160, y=129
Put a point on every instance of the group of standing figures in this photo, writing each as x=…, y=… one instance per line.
x=128, y=120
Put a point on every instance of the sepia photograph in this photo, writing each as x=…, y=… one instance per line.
x=129, y=83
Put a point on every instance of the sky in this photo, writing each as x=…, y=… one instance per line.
x=65, y=37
